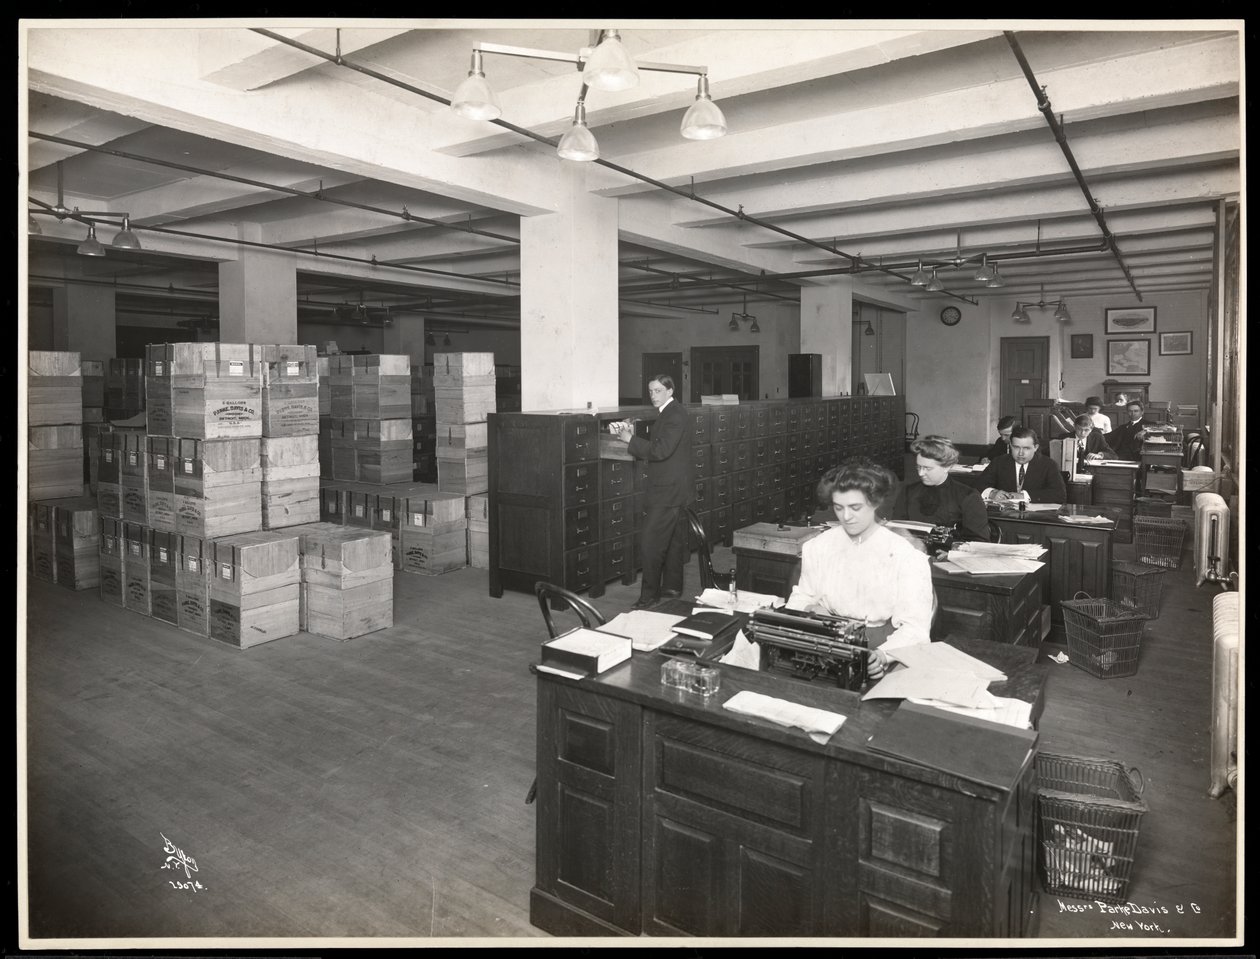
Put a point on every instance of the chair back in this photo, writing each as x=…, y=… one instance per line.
x=589, y=616
x=702, y=549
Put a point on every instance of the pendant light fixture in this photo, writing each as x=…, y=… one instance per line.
x=934, y=285
x=126, y=240
x=919, y=277
x=610, y=67
x=703, y=119
x=870, y=330
x=578, y=143
x=91, y=246
x=986, y=272
x=996, y=281
x=473, y=98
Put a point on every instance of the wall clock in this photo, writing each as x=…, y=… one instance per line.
x=951, y=315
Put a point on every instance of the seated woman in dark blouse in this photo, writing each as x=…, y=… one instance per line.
x=936, y=498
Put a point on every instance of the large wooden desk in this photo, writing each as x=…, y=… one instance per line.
x=1080, y=555
x=1000, y=609
x=661, y=814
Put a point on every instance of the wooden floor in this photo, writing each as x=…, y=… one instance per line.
x=375, y=788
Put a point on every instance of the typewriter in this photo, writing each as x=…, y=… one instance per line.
x=941, y=539
x=811, y=645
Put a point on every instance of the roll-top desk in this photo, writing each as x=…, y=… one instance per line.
x=559, y=512
x=660, y=814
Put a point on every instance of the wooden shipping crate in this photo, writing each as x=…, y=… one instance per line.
x=163, y=581
x=425, y=506
x=290, y=502
x=136, y=595
x=384, y=467
x=458, y=366
x=93, y=373
x=135, y=499
x=203, y=465
x=54, y=462
x=108, y=468
x=343, y=556
x=384, y=397
x=112, y=562
x=274, y=617
x=478, y=549
x=79, y=568
x=192, y=586
x=290, y=408
x=470, y=402
x=250, y=564
x=222, y=511
x=478, y=512
x=41, y=534
x=330, y=501
x=462, y=436
x=199, y=364
x=77, y=538
x=159, y=406
x=289, y=457
x=289, y=363
x=109, y=499
x=466, y=476
x=373, y=365
x=223, y=408
x=325, y=398
x=344, y=613
x=434, y=550
x=54, y=388
x=53, y=364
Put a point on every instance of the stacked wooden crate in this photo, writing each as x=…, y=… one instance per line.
x=323, y=366
x=218, y=487
x=254, y=583
x=124, y=388
x=370, y=426
x=347, y=580
x=113, y=561
x=433, y=531
x=192, y=585
x=115, y=447
x=133, y=476
x=463, y=385
x=93, y=375
x=160, y=470
x=479, y=531
x=163, y=566
x=216, y=389
x=54, y=419
x=77, y=538
x=290, y=436
x=136, y=575
x=42, y=540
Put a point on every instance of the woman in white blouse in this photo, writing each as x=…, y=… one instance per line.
x=863, y=570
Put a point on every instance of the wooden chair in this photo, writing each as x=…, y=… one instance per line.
x=587, y=615
x=709, y=578
x=912, y=428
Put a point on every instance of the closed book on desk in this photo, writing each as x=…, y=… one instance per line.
x=585, y=652
x=709, y=624
x=974, y=749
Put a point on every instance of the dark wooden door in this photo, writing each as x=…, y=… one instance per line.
x=725, y=369
x=656, y=363
x=1025, y=370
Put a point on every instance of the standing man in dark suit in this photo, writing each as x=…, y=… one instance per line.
x=670, y=489
x=1126, y=440
x=1023, y=475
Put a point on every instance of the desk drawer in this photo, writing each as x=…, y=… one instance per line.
x=580, y=568
x=617, y=558
x=702, y=461
x=616, y=518
x=616, y=478
x=700, y=426
x=581, y=439
x=581, y=483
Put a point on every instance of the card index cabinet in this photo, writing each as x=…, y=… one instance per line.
x=561, y=513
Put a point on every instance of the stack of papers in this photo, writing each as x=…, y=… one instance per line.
x=746, y=600
x=995, y=558
x=974, y=468
x=940, y=675
x=647, y=630
x=910, y=524
x=955, y=686
x=1128, y=464
x=1088, y=520
x=819, y=723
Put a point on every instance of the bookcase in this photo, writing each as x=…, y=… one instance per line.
x=563, y=512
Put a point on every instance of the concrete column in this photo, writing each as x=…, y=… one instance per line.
x=258, y=298
x=406, y=336
x=827, y=328
x=84, y=321
x=569, y=300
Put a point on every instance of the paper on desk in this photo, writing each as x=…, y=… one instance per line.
x=1127, y=464
x=948, y=685
x=948, y=566
x=910, y=524
x=1041, y=507
x=973, y=468
x=746, y=603
x=646, y=629
x=1088, y=520
x=981, y=564
x=819, y=723
x=944, y=656
x=742, y=653
x=1009, y=712
x=560, y=672
x=1022, y=550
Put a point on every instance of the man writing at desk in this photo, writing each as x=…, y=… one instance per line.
x=1023, y=475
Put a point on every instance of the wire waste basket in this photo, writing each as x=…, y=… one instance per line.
x=1103, y=636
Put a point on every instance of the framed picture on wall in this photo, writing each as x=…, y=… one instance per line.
x=1128, y=357
x=1129, y=320
x=1180, y=343
x=1082, y=346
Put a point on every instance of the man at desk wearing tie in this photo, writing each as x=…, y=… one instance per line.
x=1126, y=440
x=1023, y=475
x=1091, y=445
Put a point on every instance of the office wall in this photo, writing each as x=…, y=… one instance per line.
x=947, y=371
x=780, y=335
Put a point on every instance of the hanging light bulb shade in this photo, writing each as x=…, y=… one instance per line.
x=703, y=120
x=934, y=285
x=473, y=98
x=429, y=340
x=996, y=281
x=610, y=67
x=1061, y=313
x=91, y=246
x=986, y=272
x=126, y=240
x=32, y=225
x=1015, y=313
x=870, y=330
x=754, y=328
x=446, y=340
x=733, y=326
x=919, y=277
x=578, y=143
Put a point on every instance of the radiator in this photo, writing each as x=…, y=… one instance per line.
x=1224, y=750
x=1211, y=537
